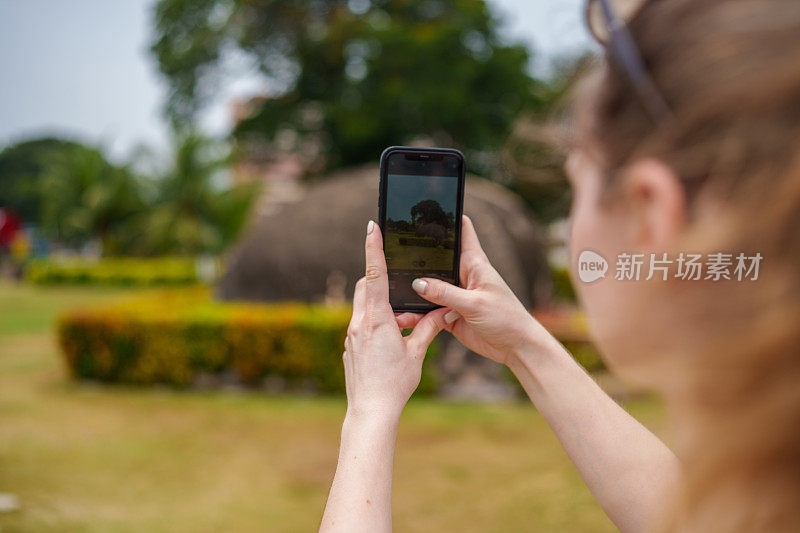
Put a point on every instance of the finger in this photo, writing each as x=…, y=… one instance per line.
x=469, y=238
x=377, y=285
x=443, y=293
x=347, y=362
x=408, y=320
x=451, y=317
x=360, y=298
x=426, y=330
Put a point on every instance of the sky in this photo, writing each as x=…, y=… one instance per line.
x=81, y=68
x=405, y=191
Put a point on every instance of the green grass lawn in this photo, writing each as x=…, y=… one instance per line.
x=403, y=256
x=93, y=458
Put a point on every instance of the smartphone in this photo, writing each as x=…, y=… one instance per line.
x=420, y=203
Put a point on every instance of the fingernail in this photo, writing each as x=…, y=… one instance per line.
x=370, y=227
x=419, y=285
x=451, y=317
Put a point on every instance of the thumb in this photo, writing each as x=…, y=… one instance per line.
x=443, y=293
x=426, y=330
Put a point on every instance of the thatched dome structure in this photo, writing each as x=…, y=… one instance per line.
x=311, y=250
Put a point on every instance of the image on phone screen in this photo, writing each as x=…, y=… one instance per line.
x=421, y=225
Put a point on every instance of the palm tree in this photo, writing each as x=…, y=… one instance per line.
x=192, y=213
x=85, y=197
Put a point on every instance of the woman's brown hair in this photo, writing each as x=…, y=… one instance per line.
x=730, y=73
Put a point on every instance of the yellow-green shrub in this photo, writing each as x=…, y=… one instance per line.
x=569, y=326
x=126, y=271
x=563, y=290
x=173, y=338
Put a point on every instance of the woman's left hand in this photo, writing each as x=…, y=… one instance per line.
x=382, y=368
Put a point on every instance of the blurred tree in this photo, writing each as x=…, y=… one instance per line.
x=76, y=196
x=85, y=197
x=191, y=212
x=348, y=78
x=533, y=155
x=429, y=212
x=21, y=168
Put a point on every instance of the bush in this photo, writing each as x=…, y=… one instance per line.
x=563, y=289
x=115, y=271
x=569, y=326
x=184, y=339
x=425, y=242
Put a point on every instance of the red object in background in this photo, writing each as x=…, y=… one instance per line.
x=10, y=226
x=565, y=323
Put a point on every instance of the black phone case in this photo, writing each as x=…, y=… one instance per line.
x=459, y=209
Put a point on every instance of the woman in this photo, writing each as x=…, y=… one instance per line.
x=687, y=143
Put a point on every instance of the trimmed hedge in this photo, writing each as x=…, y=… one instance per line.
x=563, y=289
x=425, y=242
x=159, y=271
x=183, y=339
x=569, y=326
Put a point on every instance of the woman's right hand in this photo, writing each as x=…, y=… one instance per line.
x=485, y=316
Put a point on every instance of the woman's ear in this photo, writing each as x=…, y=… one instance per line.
x=657, y=201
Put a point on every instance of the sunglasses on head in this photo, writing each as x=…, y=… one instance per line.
x=606, y=22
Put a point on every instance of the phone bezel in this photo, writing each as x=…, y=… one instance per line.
x=458, y=215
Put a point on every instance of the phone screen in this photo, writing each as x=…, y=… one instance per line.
x=421, y=221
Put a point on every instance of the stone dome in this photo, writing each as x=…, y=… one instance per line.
x=311, y=249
